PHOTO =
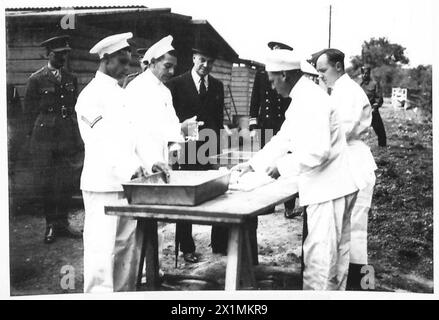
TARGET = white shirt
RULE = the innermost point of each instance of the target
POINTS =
(355, 114)
(154, 119)
(312, 133)
(110, 157)
(197, 80)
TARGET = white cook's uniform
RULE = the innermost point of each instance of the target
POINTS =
(311, 131)
(354, 111)
(154, 121)
(111, 244)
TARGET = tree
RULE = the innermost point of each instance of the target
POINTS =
(380, 52)
(385, 59)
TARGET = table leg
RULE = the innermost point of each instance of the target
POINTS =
(141, 230)
(150, 253)
(233, 258)
(247, 274)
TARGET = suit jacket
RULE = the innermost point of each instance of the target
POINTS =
(187, 103)
(49, 105)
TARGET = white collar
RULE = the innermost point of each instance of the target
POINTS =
(341, 80)
(105, 78)
(197, 79)
(149, 75)
(297, 86)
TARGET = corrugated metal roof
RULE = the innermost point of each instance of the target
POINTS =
(208, 25)
(81, 10)
(53, 12)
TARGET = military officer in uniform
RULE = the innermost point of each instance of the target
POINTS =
(54, 140)
(373, 92)
(267, 112)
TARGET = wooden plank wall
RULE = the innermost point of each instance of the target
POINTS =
(242, 85)
(222, 70)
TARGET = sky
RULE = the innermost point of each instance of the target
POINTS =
(248, 25)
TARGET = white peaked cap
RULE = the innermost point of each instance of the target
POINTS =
(283, 60)
(159, 48)
(111, 44)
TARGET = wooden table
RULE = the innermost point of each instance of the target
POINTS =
(233, 209)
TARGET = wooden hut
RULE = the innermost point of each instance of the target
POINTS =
(27, 28)
(243, 76)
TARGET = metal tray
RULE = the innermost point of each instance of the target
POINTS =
(230, 158)
(185, 188)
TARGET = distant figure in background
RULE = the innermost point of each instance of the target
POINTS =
(373, 92)
(267, 112)
(54, 136)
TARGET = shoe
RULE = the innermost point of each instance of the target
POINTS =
(291, 213)
(190, 257)
(68, 232)
(49, 236)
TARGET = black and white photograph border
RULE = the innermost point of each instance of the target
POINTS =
(395, 38)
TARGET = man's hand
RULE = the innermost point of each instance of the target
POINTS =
(162, 167)
(189, 125)
(242, 168)
(140, 172)
(273, 172)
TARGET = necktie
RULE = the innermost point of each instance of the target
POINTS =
(202, 87)
(57, 74)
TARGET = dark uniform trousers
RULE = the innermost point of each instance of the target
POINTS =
(373, 92)
(55, 144)
(208, 108)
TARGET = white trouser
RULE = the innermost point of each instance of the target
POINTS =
(326, 248)
(111, 245)
(358, 252)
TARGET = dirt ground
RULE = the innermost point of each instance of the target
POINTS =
(400, 231)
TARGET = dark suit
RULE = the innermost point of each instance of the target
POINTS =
(209, 109)
(55, 143)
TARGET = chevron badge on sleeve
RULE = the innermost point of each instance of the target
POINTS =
(91, 123)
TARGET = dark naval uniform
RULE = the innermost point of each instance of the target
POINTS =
(373, 92)
(55, 143)
(267, 107)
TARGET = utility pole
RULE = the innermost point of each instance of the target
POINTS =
(330, 18)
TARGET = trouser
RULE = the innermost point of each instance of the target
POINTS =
(378, 127)
(54, 173)
(358, 249)
(326, 247)
(290, 204)
(219, 234)
(112, 245)
(218, 239)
